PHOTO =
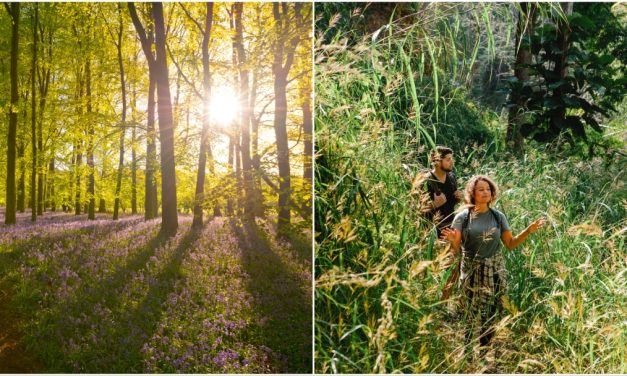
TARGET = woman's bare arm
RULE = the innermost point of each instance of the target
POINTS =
(512, 242)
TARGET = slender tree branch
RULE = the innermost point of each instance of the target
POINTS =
(200, 28)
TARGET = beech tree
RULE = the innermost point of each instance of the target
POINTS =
(10, 217)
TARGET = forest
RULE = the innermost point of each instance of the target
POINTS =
(156, 187)
(529, 94)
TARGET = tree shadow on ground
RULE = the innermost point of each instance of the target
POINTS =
(19, 354)
(113, 344)
(280, 297)
(300, 245)
(136, 324)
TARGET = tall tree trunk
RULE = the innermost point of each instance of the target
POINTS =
(21, 185)
(284, 48)
(133, 170)
(133, 149)
(33, 178)
(245, 107)
(524, 31)
(202, 158)
(10, 215)
(102, 204)
(561, 65)
(118, 183)
(52, 203)
(146, 40)
(169, 215)
(152, 202)
(78, 156)
(308, 131)
(91, 194)
(235, 131)
(21, 157)
(44, 84)
(78, 161)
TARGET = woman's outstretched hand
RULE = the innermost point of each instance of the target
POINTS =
(537, 224)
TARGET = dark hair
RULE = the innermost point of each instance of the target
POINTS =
(470, 188)
(439, 153)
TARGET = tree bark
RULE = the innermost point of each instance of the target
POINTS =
(146, 40)
(561, 65)
(118, 184)
(78, 161)
(308, 131)
(284, 48)
(33, 178)
(245, 109)
(21, 185)
(91, 194)
(50, 198)
(10, 215)
(202, 158)
(169, 215)
(44, 83)
(133, 170)
(524, 31)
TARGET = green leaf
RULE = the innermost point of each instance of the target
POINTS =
(582, 21)
(571, 102)
(605, 59)
(551, 103)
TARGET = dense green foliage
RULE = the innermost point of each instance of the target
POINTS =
(594, 80)
(382, 102)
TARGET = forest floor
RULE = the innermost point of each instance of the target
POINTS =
(113, 296)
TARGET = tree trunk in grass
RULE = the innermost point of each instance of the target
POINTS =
(284, 48)
(202, 158)
(91, 194)
(169, 215)
(118, 183)
(52, 203)
(11, 204)
(133, 153)
(245, 110)
(146, 39)
(133, 171)
(43, 75)
(308, 133)
(21, 185)
(33, 178)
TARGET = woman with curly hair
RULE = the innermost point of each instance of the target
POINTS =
(479, 231)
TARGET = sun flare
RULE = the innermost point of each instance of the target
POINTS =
(224, 105)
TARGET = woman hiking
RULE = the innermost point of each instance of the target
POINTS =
(478, 230)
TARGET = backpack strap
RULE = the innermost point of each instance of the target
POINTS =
(497, 218)
(465, 226)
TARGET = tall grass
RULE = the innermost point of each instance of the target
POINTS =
(379, 269)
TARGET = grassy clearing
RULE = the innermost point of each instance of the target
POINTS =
(103, 296)
(379, 270)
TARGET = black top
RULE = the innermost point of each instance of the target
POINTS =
(448, 188)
